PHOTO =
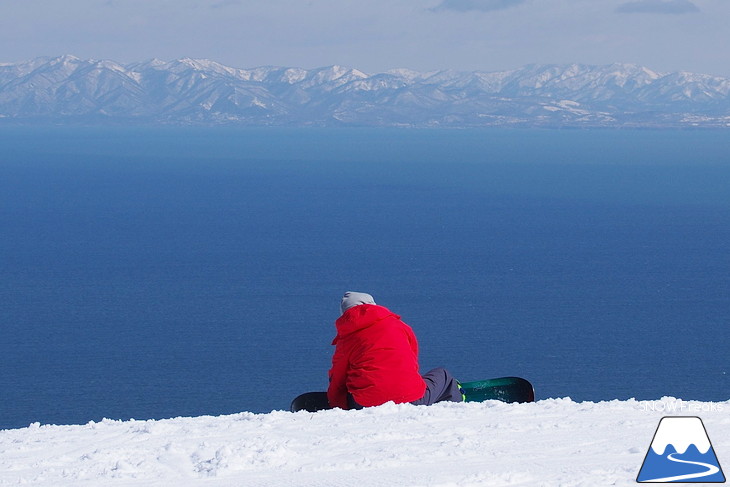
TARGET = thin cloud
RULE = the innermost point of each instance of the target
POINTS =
(658, 7)
(478, 5)
(225, 3)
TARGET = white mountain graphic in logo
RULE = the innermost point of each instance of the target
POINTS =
(681, 452)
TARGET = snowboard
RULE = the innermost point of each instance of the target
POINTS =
(506, 389)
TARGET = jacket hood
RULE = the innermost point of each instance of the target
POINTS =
(360, 317)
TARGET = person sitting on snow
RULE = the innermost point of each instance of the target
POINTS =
(376, 360)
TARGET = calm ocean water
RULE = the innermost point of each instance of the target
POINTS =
(159, 272)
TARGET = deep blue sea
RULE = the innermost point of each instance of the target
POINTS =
(161, 272)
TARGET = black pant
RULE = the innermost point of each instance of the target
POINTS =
(440, 386)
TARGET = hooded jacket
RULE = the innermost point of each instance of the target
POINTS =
(375, 359)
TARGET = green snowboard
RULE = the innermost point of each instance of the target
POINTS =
(506, 389)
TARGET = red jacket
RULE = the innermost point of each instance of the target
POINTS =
(375, 359)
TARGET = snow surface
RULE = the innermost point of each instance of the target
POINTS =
(554, 442)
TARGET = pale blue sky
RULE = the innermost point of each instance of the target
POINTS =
(376, 35)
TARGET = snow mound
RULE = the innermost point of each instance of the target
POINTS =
(551, 442)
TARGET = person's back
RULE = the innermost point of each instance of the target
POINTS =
(376, 359)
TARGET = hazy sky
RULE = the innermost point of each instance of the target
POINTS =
(376, 35)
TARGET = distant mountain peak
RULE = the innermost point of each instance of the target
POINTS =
(65, 58)
(189, 90)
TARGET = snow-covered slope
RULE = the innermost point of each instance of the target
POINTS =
(554, 442)
(186, 90)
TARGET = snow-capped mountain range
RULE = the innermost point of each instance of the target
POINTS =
(67, 89)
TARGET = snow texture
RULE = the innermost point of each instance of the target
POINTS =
(554, 442)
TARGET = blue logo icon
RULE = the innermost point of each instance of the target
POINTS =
(681, 452)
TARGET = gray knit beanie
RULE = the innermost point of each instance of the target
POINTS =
(352, 298)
